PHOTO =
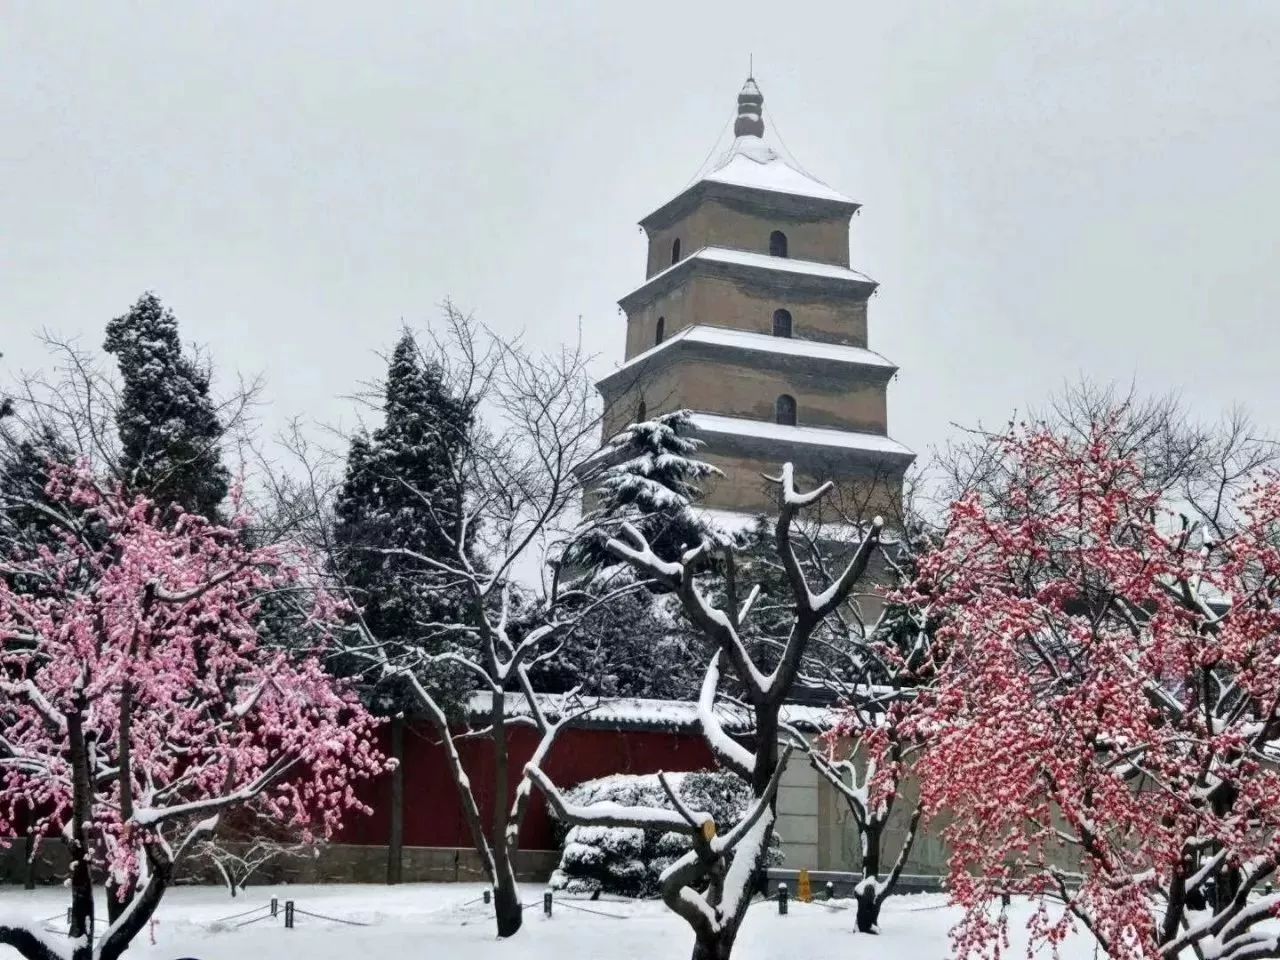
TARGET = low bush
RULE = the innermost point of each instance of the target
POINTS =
(629, 862)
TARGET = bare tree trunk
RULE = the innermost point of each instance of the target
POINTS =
(29, 946)
(507, 909)
(142, 906)
(717, 947)
(81, 818)
(118, 897)
(766, 748)
(868, 891)
(506, 893)
(395, 841)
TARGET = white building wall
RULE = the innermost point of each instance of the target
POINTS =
(797, 823)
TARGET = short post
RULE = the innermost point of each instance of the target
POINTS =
(831, 890)
(288, 914)
(29, 862)
(782, 899)
(275, 906)
(488, 894)
(546, 903)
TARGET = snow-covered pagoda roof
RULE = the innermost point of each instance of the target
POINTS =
(779, 436)
(638, 713)
(727, 340)
(753, 163)
(752, 168)
(744, 263)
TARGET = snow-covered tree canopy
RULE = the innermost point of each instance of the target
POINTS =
(170, 433)
(402, 490)
(647, 475)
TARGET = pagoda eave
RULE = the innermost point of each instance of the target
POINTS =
(776, 201)
(778, 274)
(847, 451)
(722, 345)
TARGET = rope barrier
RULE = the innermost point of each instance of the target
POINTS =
(321, 916)
(237, 916)
(93, 924)
(598, 913)
(265, 916)
(829, 906)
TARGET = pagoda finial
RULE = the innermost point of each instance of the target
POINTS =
(750, 102)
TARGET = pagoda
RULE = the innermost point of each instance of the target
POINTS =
(751, 318)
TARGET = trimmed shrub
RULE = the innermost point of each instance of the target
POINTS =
(628, 862)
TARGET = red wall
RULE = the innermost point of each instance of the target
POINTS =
(433, 816)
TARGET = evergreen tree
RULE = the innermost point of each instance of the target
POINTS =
(169, 430)
(635, 646)
(31, 520)
(401, 491)
(650, 480)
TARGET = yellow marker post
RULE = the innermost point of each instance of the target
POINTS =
(804, 892)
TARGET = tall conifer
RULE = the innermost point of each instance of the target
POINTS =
(169, 430)
(401, 491)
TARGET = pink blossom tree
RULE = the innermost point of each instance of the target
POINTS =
(1103, 729)
(137, 705)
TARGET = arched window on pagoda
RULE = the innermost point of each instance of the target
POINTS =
(784, 410)
(782, 323)
(660, 331)
(777, 244)
(675, 250)
(642, 413)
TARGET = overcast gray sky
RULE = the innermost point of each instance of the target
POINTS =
(1048, 191)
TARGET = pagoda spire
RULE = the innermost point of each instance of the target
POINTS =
(750, 123)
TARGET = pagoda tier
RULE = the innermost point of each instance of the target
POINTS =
(739, 374)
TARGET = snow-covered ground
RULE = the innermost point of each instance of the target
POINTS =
(447, 920)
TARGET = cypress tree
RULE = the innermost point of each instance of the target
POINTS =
(401, 491)
(29, 518)
(169, 430)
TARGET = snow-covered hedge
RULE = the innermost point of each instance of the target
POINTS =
(626, 861)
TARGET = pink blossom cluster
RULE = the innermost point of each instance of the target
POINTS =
(145, 634)
(1103, 727)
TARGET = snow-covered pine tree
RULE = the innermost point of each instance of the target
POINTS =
(652, 481)
(400, 493)
(636, 646)
(170, 434)
(31, 520)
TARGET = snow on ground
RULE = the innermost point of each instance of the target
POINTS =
(448, 920)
